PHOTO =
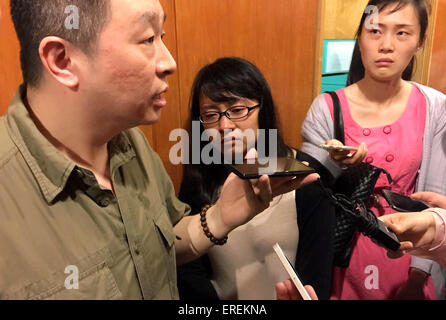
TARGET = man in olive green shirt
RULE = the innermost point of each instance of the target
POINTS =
(87, 210)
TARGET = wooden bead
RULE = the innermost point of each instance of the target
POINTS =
(206, 230)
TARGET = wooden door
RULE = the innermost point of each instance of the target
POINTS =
(437, 75)
(278, 36)
(10, 74)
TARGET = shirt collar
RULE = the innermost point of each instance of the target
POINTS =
(49, 166)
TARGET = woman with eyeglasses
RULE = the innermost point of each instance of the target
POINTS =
(397, 125)
(232, 97)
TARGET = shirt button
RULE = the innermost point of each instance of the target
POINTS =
(105, 202)
(135, 246)
(387, 130)
(369, 159)
(366, 132)
(390, 158)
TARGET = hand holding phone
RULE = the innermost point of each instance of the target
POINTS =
(337, 148)
(291, 272)
(273, 167)
(345, 156)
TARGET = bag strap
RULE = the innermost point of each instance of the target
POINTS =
(389, 177)
(338, 121)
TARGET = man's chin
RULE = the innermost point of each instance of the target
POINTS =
(149, 123)
(151, 119)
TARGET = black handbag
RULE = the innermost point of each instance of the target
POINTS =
(352, 193)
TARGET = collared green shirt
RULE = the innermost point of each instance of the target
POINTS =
(63, 237)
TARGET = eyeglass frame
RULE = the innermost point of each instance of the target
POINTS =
(220, 114)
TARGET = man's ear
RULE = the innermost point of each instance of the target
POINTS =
(56, 55)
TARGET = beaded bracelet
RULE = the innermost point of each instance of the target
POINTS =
(205, 227)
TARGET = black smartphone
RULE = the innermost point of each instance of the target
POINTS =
(402, 203)
(273, 167)
(386, 237)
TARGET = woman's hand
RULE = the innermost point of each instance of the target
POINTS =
(346, 158)
(241, 200)
(286, 290)
(433, 199)
(414, 230)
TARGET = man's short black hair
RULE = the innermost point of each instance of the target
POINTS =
(36, 19)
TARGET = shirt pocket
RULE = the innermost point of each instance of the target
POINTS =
(87, 279)
(157, 215)
(165, 228)
(159, 252)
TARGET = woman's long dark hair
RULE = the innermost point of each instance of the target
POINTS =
(422, 8)
(222, 81)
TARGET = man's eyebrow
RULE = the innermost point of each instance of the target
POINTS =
(150, 17)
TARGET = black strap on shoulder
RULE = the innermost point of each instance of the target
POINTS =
(337, 117)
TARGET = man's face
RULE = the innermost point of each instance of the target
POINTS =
(125, 78)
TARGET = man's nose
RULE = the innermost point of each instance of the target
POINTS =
(166, 63)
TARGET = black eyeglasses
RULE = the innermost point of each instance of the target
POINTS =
(236, 113)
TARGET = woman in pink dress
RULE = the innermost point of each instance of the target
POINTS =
(393, 122)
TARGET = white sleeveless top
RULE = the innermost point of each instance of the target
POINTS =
(246, 267)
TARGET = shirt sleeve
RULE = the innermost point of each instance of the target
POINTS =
(317, 129)
(434, 151)
(422, 264)
(437, 250)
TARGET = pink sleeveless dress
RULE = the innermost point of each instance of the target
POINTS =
(398, 148)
